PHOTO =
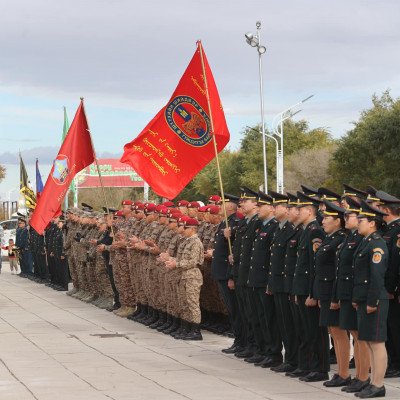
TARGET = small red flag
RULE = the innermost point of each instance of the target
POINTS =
(75, 153)
(177, 143)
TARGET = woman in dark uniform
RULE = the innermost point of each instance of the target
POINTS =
(341, 300)
(325, 272)
(370, 297)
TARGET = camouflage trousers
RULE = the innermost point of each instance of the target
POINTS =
(123, 280)
(81, 274)
(137, 271)
(72, 264)
(189, 295)
(172, 280)
(210, 296)
(103, 285)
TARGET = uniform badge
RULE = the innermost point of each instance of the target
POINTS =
(376, 258)
(316, 243)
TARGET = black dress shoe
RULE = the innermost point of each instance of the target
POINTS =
(372, 391)
(233, 349)
(297, 373)
(284, 367)
(244, 354)
(255, 359)
(272, 362)
(356, 386)
(315, 377)
(337, 381)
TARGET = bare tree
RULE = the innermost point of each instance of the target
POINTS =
(308, 167)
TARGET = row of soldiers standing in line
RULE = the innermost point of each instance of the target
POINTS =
(293, 281)
(258, 283)
(158, 259)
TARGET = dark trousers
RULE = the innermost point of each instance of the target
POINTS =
(286, 327)
(316, 336)
(393, 339)
(231, 304)
(245, 315)
(62, 272)
(303, 356)
(52, 268)
(111, 277)
(263, 318)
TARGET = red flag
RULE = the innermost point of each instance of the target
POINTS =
(75, 153)
(177, 143)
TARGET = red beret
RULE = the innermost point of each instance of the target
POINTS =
(215, 199)
(149, 208)
(213, 209)
(182, 219)
(119, 213)
(183, 203)
(175, 216)
(192, 222)
(203, 209)
(193, 204)
(127, 202)
(168, 204)
(138, 207)
(137, 202)
(162, 210)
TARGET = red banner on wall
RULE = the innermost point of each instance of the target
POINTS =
(113, 172)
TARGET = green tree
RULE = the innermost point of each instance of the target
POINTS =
(369, 154)
(298, 137)
(206, 181)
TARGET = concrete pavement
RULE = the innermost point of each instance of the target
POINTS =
(56, 347)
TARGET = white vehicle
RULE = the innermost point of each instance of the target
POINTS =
(9, 227)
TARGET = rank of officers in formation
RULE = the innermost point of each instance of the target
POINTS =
(307, 272)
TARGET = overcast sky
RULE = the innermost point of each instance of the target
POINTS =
(126, 57)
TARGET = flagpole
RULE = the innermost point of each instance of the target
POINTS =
(221, 187)
(97, 165)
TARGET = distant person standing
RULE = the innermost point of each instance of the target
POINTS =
(22, 242)
(12, 256)
(1, 244)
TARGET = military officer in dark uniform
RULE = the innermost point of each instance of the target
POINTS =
(341, 301)
(242, 246)
(220, 271)
(263, 315)
(290, 266)
(61, 264)
(325, 272)
(329, 195)
(311, 239)
(391, 234)
(352, 193)
(22, 242)
(313, 192)
(276, 282)
(370, 297)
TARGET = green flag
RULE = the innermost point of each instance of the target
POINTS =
(64, 134)
(26, 191)
(66, 125)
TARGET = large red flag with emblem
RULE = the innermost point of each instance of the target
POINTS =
(75, 153)
(178, 142)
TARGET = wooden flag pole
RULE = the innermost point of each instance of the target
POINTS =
(97, 165)
(221, 187)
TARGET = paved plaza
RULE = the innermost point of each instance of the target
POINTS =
(53, 347)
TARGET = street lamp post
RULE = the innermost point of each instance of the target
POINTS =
(255, 41)
(278, 132)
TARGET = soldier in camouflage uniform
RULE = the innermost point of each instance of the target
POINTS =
(188, 262)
